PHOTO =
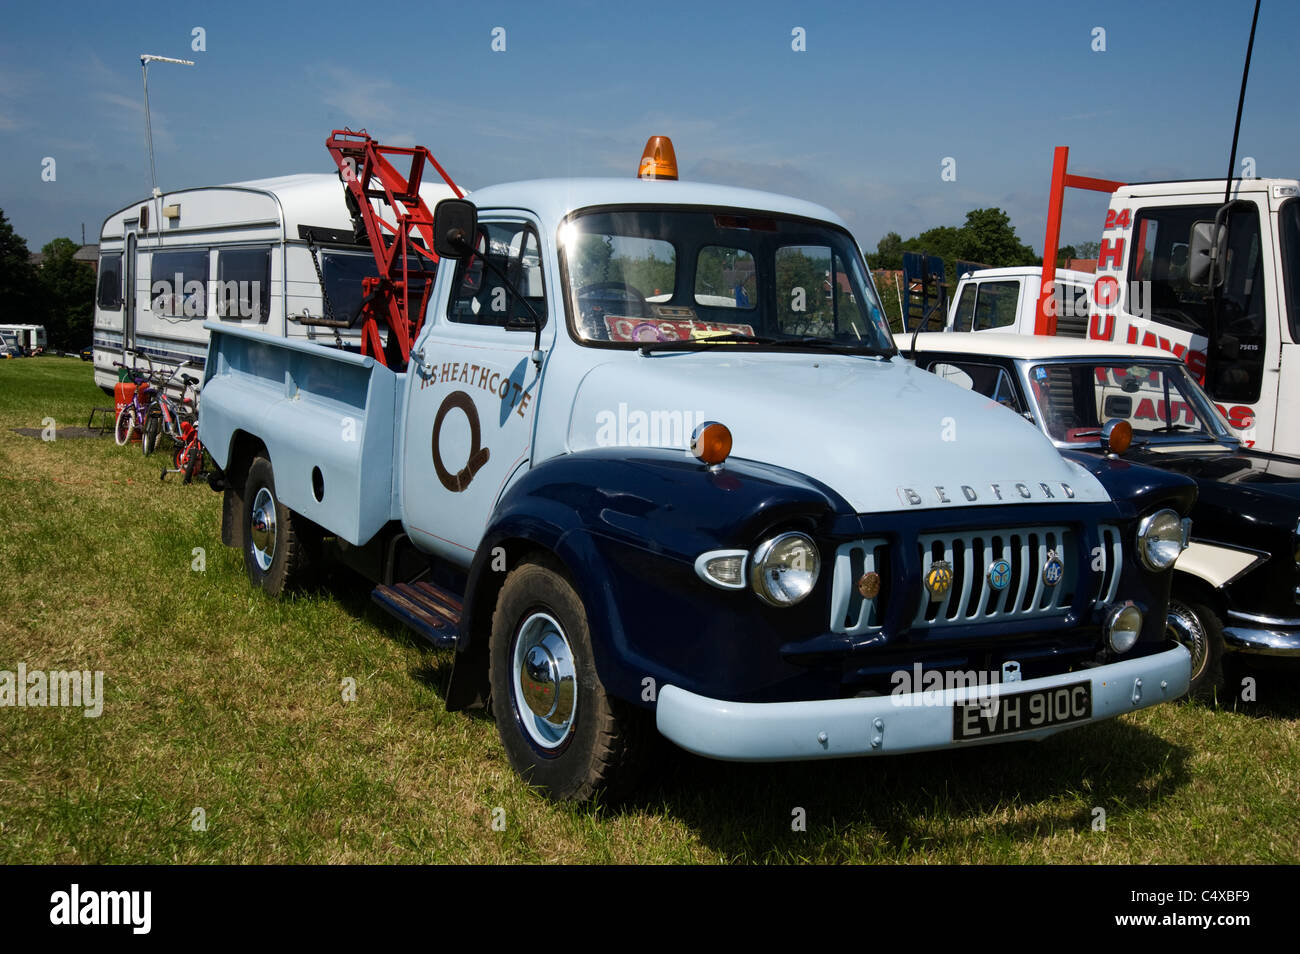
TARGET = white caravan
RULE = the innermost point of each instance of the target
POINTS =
(31, 337)
(239, 253)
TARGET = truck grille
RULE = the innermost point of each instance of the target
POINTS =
(972, 598)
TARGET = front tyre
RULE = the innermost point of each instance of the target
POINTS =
(561, 731)
(124, 426)
(275, 547)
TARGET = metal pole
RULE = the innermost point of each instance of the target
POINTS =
(145, 60)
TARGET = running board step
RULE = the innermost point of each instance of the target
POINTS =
(429, 610)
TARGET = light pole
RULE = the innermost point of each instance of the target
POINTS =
(145, 60)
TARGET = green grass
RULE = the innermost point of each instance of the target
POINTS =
(221, 699)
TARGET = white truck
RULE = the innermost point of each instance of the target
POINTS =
(654, 463)
(1006, 300)
(1238, 329)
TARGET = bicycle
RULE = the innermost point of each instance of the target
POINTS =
(187, 459)
(133, 414)
(177, 420)
(166, 414)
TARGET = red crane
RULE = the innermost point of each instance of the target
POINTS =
(400, 233)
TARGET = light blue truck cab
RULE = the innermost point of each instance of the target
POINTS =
(656, 464)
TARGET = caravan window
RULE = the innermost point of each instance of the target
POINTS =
(343, 273)
(244, 283)
(109, 295)
(179, 284)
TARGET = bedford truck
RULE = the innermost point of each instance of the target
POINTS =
(655, 465)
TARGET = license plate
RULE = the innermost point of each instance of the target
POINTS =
(1022, 712)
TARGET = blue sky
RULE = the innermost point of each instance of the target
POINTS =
(861, 121)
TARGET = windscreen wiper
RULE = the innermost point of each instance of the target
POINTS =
(807, 341)
(684, 344)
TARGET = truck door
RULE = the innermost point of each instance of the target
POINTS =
(1286, 435)
(1223, 336)
(474, 390)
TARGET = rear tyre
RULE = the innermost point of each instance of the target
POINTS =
(562, 732)
(275, 551)
(1197, 627)
(124, 426)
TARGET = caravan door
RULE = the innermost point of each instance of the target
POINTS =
(128, 288)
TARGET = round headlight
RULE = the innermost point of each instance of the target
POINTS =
(1123, 626)
(1160, 540)
(784, 569)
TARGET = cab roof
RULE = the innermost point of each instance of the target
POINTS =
(1032, 347)
(553, 199)
(1198, 186)
(1028, 271)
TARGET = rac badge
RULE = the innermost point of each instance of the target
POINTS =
(999, 575)
(938, 579)
(1053, 569)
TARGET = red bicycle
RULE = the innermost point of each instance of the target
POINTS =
(176, 419)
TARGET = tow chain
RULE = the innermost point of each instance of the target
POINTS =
(330, 320)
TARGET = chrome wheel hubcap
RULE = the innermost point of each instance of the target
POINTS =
(1187, 630)
(263, 529)
(545, 681)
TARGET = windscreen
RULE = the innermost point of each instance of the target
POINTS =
(1159, 400)
(674, 275)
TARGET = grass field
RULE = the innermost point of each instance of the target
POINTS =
(217, 698)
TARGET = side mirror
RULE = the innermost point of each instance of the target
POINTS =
(1198, 256)
(455, 223)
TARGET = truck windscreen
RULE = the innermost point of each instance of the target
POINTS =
(675, 275)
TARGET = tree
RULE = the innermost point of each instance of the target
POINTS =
(989, 237)
(888, 254)
(68, 292)
(1088, 250)
(19, 291)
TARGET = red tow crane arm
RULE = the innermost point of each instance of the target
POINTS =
(402, 242)
(1062, 178)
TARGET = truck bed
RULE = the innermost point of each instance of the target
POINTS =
(327, 417)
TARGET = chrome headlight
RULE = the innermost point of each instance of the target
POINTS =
(1160, 539)
(784, 569)
(1123, 626)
